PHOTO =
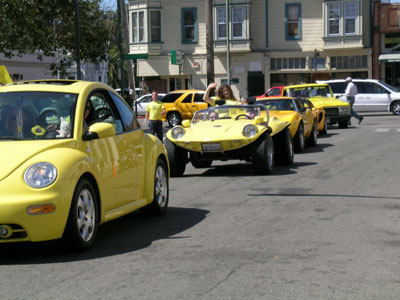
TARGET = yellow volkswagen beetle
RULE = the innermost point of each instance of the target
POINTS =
(73, 157)
(230, 132)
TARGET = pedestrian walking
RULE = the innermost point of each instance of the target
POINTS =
(153, 116)
(350, 93)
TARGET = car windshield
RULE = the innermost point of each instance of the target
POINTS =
(227, 112)
(392, 88)
(278, 104)
(36, 115)
(310, 92)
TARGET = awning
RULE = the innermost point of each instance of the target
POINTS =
(393, 57)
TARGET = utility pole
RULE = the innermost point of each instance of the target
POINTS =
(209, 42)
(228, 48)
(125, 32)
(120, 48)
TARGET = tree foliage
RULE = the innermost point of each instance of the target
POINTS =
(47, 27)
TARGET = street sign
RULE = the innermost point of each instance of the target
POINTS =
(176, 57)
(135, 56)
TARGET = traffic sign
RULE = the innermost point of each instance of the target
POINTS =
(135, 56)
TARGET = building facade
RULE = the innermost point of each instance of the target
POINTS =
(271, 42)
(386, 43)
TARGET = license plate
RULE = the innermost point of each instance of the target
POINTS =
(216, 147)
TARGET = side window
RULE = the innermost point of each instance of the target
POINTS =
(198, 97)
(146, 99)
(361, 88)
(188, 99)
(128, 119)
(101, 110)
(373, 88)
(170, 98)
(338, 87)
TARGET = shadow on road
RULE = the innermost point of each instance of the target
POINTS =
(129, 233)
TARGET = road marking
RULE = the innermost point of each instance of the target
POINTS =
(381, 129)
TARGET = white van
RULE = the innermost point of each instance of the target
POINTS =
(373, 95)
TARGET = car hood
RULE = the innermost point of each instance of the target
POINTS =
(16, 153)
(327, 102)
(216, 130)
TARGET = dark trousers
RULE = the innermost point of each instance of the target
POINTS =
(156, 128)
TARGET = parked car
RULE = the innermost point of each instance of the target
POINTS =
(63, 173)
(275, 91)
(140, 105)
(181, 105)
(230, 133)
(321, 96)
(373, 95)
(303, 122)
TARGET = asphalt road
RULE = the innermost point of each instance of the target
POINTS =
(326, 227)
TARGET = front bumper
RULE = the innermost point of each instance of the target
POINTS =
(14, 202)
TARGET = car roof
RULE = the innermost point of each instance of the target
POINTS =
(344, 80)
(306, 85)
(53, 85)
(275, 98)
(186, 91)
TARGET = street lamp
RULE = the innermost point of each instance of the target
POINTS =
(77, 42)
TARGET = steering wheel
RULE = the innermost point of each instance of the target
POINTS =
(49, 125)
(242, 115)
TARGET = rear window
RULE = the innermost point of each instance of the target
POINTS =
(170, 98)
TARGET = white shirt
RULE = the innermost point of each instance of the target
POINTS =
(351, 90)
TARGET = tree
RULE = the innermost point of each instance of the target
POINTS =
(46, 27)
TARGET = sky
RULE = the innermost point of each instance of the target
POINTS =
(109, 4)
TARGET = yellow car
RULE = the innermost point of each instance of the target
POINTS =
(73, 157)
(321, 96)
(181, 105)
(303, 122)
(230, 132)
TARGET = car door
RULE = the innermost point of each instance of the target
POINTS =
(306, 115)
(377, 97)
(110, 155)
(359, 99)
(134, 142)
(198, 102)
(185, 106)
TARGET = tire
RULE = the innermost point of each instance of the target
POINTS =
(177, 158)
(343, 124)
(174, 119)
(283, 147)
(324, 131)
(263, 156)
(83, 218)
(313, 138)
(161, 191)
(298, 140)
(199, 164)
(395, 108)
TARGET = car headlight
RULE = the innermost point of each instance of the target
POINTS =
(178, 132)
(40, 175)
(249, 130)
(343, 110)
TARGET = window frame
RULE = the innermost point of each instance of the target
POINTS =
(345, 18)
(136, 30)
(151, 26)
(244, 22)
(184, 26)
(288, 36)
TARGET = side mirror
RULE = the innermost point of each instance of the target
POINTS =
(99, 130)
(185, 123)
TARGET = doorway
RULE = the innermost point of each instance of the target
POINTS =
(255, 84)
